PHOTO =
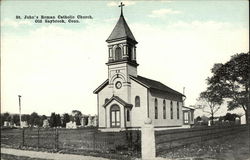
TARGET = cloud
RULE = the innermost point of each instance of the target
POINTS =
(117, 3)
(166, 1)
(110, 20)
(15, 23)
(163, 12)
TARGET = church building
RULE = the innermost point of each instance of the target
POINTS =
(125, 100)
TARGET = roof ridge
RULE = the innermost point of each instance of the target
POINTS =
(154, 84)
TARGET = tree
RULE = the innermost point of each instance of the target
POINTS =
(26, 117)
(16, 119)
(77, 116)
(66, 119)
(42, 118)
(52, 120)
(6, 117)
(35, 119)
(230, 117)
(232, 81)
(58, 120)
(1, 120)
(198, 119)
(210, 101)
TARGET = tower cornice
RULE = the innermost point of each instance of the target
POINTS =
(121, 62)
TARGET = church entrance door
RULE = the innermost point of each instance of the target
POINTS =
(115, 116)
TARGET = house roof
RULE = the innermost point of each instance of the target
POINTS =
(190, 108)
(122, 102)
(121, 31)
(153, 84)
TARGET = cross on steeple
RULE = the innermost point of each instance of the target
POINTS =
(121, 5)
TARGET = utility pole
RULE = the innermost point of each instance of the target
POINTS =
(184, 97)
(20, 117)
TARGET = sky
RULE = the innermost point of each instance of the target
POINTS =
(56, 67)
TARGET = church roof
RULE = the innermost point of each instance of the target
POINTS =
(101, 86)
(153, 84)
(122, 102)
(146, 82)
(121, 31)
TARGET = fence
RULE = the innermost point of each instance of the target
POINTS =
(81, 140)
(169, 139)
(113, 142)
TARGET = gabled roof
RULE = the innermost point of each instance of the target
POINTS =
(121, 31)
(122, 102)
(101, 86)
(153, 84)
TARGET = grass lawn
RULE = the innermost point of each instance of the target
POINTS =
(234, 147)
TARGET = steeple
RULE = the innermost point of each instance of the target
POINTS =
(121, 30)
(122, 50)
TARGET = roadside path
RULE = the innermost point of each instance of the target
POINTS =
(46, 155)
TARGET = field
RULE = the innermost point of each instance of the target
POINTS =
(233, 147)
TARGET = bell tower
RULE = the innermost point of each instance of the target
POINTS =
(122, 52)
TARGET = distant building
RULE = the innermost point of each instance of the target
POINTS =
(6, 124)
(24, 124)
(71, 125)
(45, 123)
(243, 119)
(188, 116)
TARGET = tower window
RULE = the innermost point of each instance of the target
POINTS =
(178, 110)
(110, 52)
(118, 53)
(171, 110)
(130, 53)
(137, 101)
(128, 115)
(164, 109)
(134, 53)
(156, 109)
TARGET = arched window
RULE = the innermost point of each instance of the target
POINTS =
(156, 109)
(164, 109)
(118, 53)
(171, 110)
(128, 115)
(178, 111)
(137, 101)
(115, 116)
(106, 100)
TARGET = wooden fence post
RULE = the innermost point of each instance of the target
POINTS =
(38, 137)
(56, 139)
(94, 141)
(23, 137)
(148, 140)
